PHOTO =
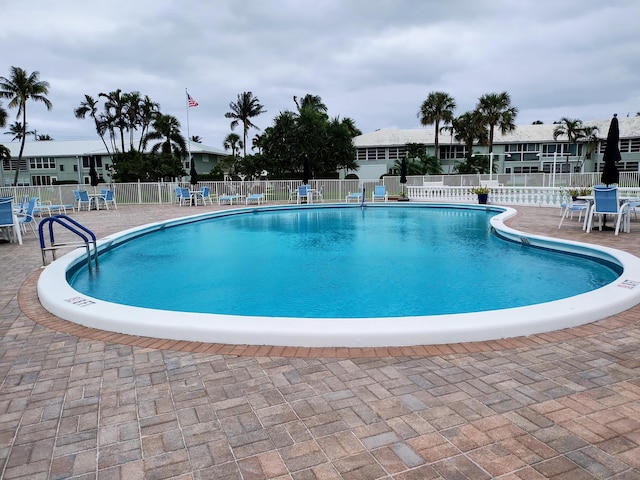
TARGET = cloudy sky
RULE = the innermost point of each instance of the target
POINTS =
(372, 60)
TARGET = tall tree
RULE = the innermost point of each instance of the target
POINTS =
(497, 111)
(18, 131)
(166, 134)
(89, 106)
(242, 111)
(115, 120)
(19, 88)
(3, 116)
(469, 128)
(436, 109)
(572, 128)
(313, 102)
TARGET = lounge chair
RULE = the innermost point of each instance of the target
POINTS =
(229, 198)
(606, 202)
(356, 196)
(380, 193)
(7, 219)
(255, 198)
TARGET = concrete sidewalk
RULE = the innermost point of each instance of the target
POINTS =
(78, 403)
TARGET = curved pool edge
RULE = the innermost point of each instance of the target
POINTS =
(57, 296)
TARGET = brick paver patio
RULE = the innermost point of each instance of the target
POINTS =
(84, 404)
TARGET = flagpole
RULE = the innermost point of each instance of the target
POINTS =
(186, 99)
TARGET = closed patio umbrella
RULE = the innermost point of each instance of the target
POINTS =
(93, 174)
(403, 173)
(306, 169)
(193, 173)
(611, 157)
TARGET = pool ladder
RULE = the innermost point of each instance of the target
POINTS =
(87, 236)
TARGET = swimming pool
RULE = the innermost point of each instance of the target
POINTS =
(356, 318)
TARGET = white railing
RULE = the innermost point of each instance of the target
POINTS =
(441, 188)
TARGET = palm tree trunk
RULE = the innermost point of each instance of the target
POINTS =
(22, 142)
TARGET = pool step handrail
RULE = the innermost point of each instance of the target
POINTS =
(90, 244)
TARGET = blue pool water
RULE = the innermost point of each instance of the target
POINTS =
(337, 262)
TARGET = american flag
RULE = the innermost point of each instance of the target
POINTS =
(192, 102)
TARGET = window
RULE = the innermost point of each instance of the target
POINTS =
(42, 163)
(452, 151)
(41, 179)
(61, 167)
(86, 161)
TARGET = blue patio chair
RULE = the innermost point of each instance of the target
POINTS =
(7, 222)
(26, 218)
(82, 198)
(569, 207)
(379, 193)
(184, 197)
(303, 193)
(606, 202)
(205, 194)
(107, 198)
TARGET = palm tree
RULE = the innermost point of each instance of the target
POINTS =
(114, 119)
(469, 128)
(310, 101)
(196, 138)
(18, 131)
(234, 143)
(19, 88)
(572, 128)
(3, 116)
(497, 111)
(166, 131)
(148, 110)
(43, 137)
(90, 106)
(437, 108)
(243, 111)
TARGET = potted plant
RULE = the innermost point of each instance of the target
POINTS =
(482, 192)
(575, 192)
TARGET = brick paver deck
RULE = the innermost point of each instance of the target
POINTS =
(84, 404)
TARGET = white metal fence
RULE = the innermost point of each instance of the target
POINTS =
(526, 189)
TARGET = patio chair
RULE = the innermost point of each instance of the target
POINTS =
(292, 194)
(303, 193)
(107, 198)
(356, 196)
(82, 198)
(318, 194)
(205, 194)
(606, 202)
(569, 207)
(257, 198)
(26, 218)
(380, 193)
(185, 196)
(7, 221)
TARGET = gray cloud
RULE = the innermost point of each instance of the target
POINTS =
(373, 61)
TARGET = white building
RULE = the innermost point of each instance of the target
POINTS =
(528, 149)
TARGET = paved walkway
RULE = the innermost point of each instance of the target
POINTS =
(88, 405)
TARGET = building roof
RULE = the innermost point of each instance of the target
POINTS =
(79, 148)
(629, 128)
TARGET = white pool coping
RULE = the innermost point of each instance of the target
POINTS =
(59, 298)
